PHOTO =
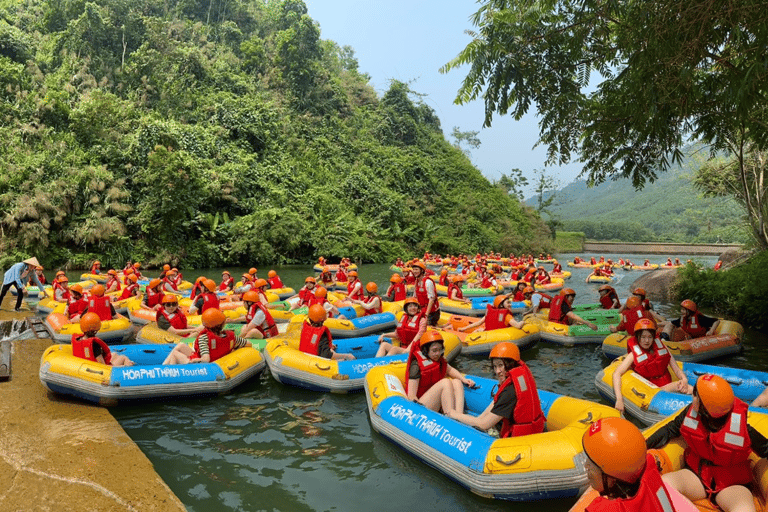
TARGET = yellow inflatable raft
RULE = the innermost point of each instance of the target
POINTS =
(112, 331)
(481, 342)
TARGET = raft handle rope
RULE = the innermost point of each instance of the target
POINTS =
(230, 368)
(323, 368)
(357, 348)
(641, 395)
(588, 419)
(94, 371)
(510, 463)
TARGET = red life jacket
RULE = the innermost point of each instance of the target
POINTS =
(423, 298)
(444, 280)
(543, 279)
(400, 291)
(556, 310)
(76, 307)
(65, 295)
(651, 496)
(275, 282)
(341, 275)
(607, 300)
(113, 280)
(128, 291)
(227, 284)
(372, 311)
(651, 365)
(528, 277)
(721, 458)
(431, 371)
(326, 277)
(558, 269)
(355, 290)
(692, 325)
(267, 327)
(177, 320)
(83, 347)
(153, 298)
(486, 282)
(527, 418)
(210, 300)
(218, 346)
(408, 328)
(519, 296)
(305, 295)
(546, 300)
(593, 261)
(630, 317)
(495, 318)
(454, 291)
(101, 306)
(95, 269)
(197, 289)
(169, 285)
(310, 338)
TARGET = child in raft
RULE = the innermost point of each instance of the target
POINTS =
(304, 294)
(396, 290)
(454, 290)
(411, 326)
(88, 346)
(372, 303)
(321, 297)
(691, 324)
(259, 323)
(211, 344)
(227, 282)
(561, 310)
(516, 404)
(170, 318)
(609, 299)
(650, 358)
(427, 380)
(498, 316)
(316, 339)
(519, 294)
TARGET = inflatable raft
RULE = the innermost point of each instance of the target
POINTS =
(564, 275)
(649, 404)
(725, 341)
(442, 291)
(153, 335)
(527, 468)
(352, 328)
(653, 266)
(290, 366)
(65, 374)
(112, 331)
(481, 342)
(477, 306)
(600, 279)
(570, 335)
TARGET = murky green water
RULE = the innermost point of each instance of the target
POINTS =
(270, 447)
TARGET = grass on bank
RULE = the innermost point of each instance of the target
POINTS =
(569, 241)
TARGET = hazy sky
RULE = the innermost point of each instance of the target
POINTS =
(409, 41)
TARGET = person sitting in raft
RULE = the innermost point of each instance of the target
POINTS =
(113, 283)
(61, 292)
(761, 400)
(372, 303)
(650, 358)
(211, 344)
(561, 311)
(677, 261)
(719, 442)
(131, 289)
(558, 268)
(411, 326)
(100, 304)
(227, 282)
(691, 324)
(170, 318)
(516, 403)
(498, 316)
(128, 265)
(258, 320)
(633, 311)
(40, 277)
(253, 271)
(543, 277)
(206, 300)
(596, 272)
(274, 280)
(152, 295)
(669, 262)
(354, 287)
(410, 278)
(443, 281)
(622, 471)
(305, 293)
(96, 267)
(260, 286)
(246, 283)
(316, 339)
(427, 381)
(425, 292)
(77, 303)
(454, 290)
(197, 288)
(609, 299)
(519, 294)
(396, 290)
(341, 275)
(576, 260)
(321, 297)
(169, 282)
(136, 267)
(164, 271)
(88, 346)
(592, 261)
(326, 277)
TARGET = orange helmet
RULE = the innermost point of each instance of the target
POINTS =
(444, 272)
(396, 279)
(98, 290)
(645, 323)
(499, 300)
(371, 287)
(132, 278)
(60, 273)
(421, 265)
(247, 276)
(528, 289)
(272, 273)
(317, 313)
(154, 283)
(96, 262)
(200, 279)
(76, 288)
(506, 350)
(410, 300)
(213, 317)
(90, 322)
(137, 265)
(251, 296)
(715, 394)
(639, 291)
(689, 305)
(111, 272)
(260, 283)
(567, 291)
(608, 436)
(429, 337)
(128, 271)
(169, 298)
(173, 271)
(633, 301)
(227, 273)
(210, 285)
(310, 280)
(63, 279)
(352, 273)
(252, 270)
(166, 267)
(321, 292)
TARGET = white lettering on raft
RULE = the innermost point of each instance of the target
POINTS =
(164, 372)
(428, 426)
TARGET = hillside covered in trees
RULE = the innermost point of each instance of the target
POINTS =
(222, 132)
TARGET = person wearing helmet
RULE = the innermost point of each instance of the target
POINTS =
(316, 339)
(170, 318)
(206, 300)
(719, 442)
(197, 288)
(152, 295)
(354, 286)
(497, 316)
(633, 311)
(164, 271)
(227, 282)
(131, 288)
(96, 267)
(622, 471)
(169, 282)
(326, 276)
(128, 265)
(211, 344)
(650, 358)
(609, 299)
(136, 267)
(399, 262)
(372, 302)
(516, 404)
(454, 290)
(557, 268)
(321, 297)
(443, 281)
(77, 303)
(100, 304)
(274, 280)
(411, 326)
(61, 291)
(113, 283)
(543, 277)
(259, 323)
(430, 380)
(305, 293)
(691, 324)
(87, 345)
(246, 283)
(128, 272)
(341, 275)
(426, 293)
(596, 272)
(396, 290)
(518, 294)
(561, 311)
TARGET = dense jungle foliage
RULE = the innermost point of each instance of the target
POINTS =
(222, 132)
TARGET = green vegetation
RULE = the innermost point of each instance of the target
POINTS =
(569, 241)
(217, 133)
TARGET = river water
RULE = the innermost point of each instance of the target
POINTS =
(267, 446)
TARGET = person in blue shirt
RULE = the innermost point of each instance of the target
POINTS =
(17, 276)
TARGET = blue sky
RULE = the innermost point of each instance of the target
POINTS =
(409, 41)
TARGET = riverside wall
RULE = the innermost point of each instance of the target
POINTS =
(591, 246)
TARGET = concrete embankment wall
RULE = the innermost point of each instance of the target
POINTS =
(591, 246)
